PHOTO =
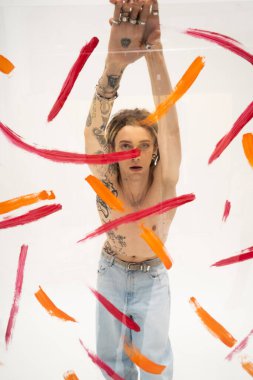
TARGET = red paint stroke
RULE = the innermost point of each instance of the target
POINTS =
(123, 318)
(221, 40)
(30, 216)
(245, 254)
(101, 364)
(50, 307)
(17, 294)
(159, 208)
(226, 212)
(72, 76)
(240, 346)
(242, 120)
(68, 157)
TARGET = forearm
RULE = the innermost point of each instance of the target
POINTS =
(101, 107)
(161, 85)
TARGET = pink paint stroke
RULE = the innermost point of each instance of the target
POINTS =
(240, 346)
(72, 76)
(68, 157)
(245, 254)
(101, 364)
(242, 120)
(30, 216)
(17, 294)
(123, 318)
(157, 209)
(221, 40)
(226, 212)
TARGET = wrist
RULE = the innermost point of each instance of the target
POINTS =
(109, 82)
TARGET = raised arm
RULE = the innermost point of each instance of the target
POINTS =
(125, 47)
(168, 128)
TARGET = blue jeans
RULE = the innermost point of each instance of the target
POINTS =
(145, 296)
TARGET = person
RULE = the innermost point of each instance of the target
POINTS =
(130, 275)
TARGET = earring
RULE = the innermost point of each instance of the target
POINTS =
(154, 159)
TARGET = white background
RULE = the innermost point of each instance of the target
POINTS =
(43, 39)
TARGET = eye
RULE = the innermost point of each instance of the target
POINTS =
(125, 146)
(144, 146)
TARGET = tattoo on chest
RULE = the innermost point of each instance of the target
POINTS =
(118, 240)
(102, 207)
(125, 42)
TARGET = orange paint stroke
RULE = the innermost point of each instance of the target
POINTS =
(247, 143)
(142, 361)
(70, 375)
(5, 65)
(182, 86)
(156, 245)
(213, 326)
(45, 301)
(25, 200)
(104, 193)
(248, 366)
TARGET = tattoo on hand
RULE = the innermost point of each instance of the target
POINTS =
(125, 42)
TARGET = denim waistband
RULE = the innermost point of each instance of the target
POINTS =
(143, 266)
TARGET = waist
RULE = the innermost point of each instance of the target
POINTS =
(130, 265)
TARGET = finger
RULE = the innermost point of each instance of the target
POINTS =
(145, 12)
(126, 6)
(136, 8)
(153, 38)
(155, 8)
(117, 10)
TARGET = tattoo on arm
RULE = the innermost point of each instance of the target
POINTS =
(89, 120)
(99, 133)
(105, 109)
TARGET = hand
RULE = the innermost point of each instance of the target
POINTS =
(152, 33)
(132, 26)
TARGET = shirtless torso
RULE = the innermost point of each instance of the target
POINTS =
(125, 242)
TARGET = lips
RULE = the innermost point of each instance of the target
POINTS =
(136, 167)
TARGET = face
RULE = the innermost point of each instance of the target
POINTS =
(130, 137)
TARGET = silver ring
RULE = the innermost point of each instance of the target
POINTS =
(124, 19)
(141, 22)
(116, 22)
(155, 13)
(133, 21)
(148, 46)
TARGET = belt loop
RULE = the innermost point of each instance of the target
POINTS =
(112, 258)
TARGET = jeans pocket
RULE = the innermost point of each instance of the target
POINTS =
(103, 266)
(157, 272)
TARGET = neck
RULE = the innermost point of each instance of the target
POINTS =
(135, 188)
